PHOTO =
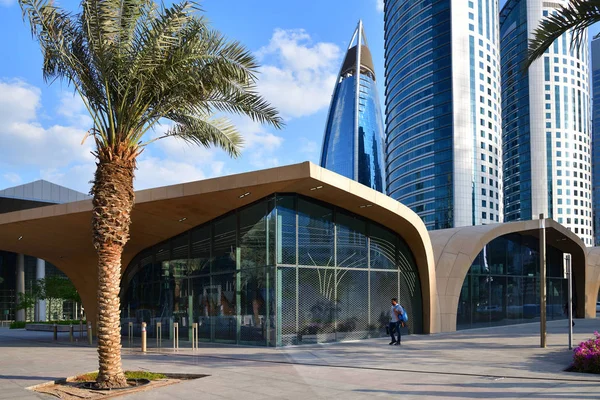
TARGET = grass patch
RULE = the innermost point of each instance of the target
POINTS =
(151, 376)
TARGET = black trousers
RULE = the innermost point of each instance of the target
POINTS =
(395, 326)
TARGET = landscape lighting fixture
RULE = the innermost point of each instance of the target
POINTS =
(317, 188)
(244, 195)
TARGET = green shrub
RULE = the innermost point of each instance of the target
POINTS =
(17, 324)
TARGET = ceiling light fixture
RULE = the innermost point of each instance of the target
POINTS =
(20, 237)
(317, 188)
(366, 205)
(244, 195)
(182, 219)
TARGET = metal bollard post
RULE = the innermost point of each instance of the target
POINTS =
(176, 335)
(159, 334)
(89, 333)
(55, 332)
(71, 332)
(195, 336)
(130, 333)
(143, 337)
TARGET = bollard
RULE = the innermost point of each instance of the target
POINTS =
(195, 336)
(143, 337)
(130, 332)
(70, 332)
(55, 332)
(159, 334)
(89, 333)
(175, 335)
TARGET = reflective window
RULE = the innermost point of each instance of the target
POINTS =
(239, 279)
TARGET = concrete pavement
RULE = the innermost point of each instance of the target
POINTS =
(502, 362)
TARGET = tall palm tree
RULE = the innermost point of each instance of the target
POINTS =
(576, 16)
(136, 64)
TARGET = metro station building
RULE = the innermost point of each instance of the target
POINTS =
(299, 254)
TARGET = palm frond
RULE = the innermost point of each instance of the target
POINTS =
(577, 16)
(136, 63)
(212, 131)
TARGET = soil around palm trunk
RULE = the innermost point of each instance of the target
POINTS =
(74, 389)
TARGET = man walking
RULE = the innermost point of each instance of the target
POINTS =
(396, 314)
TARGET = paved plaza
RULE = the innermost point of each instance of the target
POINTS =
(500, 363)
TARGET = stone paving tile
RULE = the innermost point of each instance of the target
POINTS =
(424, 367)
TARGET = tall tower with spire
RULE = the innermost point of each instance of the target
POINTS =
(353, 144)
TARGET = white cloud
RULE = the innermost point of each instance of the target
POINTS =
(12, 178)
(379, 5)
(25, 143)
(154, 172)
(298, 75)
(7, 3)
(18, 101)
(72, 108)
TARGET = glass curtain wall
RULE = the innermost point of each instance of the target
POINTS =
(502, 286)
(284, 270)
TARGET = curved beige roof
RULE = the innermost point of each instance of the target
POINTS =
(455, 249)
(61, 234)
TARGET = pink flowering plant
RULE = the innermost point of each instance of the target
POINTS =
(586, 356)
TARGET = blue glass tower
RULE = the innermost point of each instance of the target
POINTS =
(442, 99)
(354, 135)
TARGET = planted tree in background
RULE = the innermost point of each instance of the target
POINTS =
(136, 64)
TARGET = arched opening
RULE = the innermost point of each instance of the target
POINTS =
(502, 285)
(284, 270)
(49, 294)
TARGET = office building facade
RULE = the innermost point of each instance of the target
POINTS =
(546, 124)
(596, 138)
(443, 129)
(353, 143)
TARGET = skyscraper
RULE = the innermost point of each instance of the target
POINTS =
(546, 128)
(443, 150)
(596, 138)
(354, 136)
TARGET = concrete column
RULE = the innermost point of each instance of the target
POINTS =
(20, 315)
(40, 273)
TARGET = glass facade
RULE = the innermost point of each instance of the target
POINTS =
(284, 270)
(502, 286)
(547, 138)
(443, 147)
(55, 309)
(418, 64)
(354, 134)
(515, 112)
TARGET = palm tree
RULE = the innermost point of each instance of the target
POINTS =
(576, 17)
(136, 64)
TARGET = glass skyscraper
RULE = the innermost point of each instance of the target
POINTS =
(354, 135)
(443, 149)
(596, 137)
(546, 128)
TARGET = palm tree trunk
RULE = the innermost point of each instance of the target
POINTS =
(113, 202)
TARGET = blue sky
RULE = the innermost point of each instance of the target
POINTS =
(300, 45)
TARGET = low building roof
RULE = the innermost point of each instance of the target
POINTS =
(61, 234)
